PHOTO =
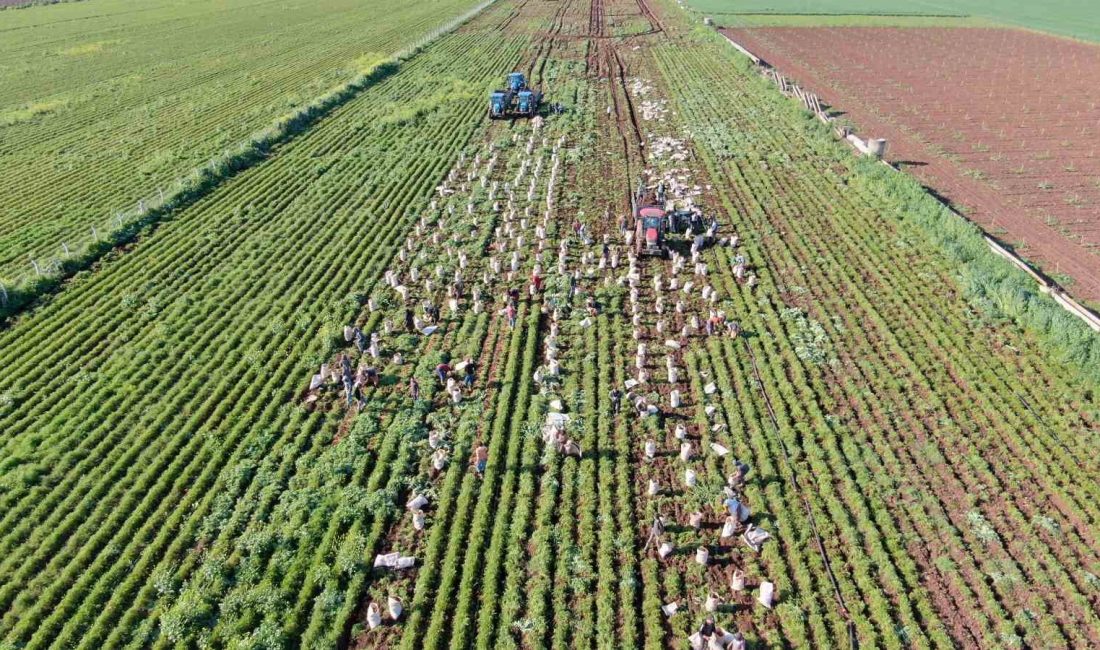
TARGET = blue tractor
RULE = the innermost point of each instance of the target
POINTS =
(517, 82)
(516, 100)
(527, 102)
(499, 103)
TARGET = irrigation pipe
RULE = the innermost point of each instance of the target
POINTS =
(853, 642)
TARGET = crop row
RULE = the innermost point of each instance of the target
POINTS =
(119, 495)
(865, 305)
(96, 164)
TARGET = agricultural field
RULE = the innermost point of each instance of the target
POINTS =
(259, 425)
(1000, 122)
(106, 113)
(1074, 18)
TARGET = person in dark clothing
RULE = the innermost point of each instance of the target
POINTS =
(410, 325)
(616, 400)
(708, 629)
(414, 388)
(441, 371)
(469, 373)
(360, 340)
(370, 376)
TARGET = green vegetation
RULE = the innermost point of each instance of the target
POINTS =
(170, 479)
(107, 113)
(191, 349)
(1076, 18)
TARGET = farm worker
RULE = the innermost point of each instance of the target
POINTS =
(571, 448)
(349, 389)
(738, 478)
(439, 461)
(410, 324)
(480, 460)
(441, 371)
(708, 628)
(510, 310)
(616, 400)
(536, 280)
(414, 388)
(370, 376)
(655, 531)
(734, 328)
(469, 373)
(360, 340)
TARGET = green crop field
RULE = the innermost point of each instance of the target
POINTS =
(105, 105)
(258, 424)
(1076, 18)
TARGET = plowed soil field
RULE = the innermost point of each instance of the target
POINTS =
(1003, 123)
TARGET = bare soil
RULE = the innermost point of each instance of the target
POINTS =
(1002, 123)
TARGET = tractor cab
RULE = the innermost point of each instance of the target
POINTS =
(499, 102)
(649, 231)
(527, 102)
(517, 82)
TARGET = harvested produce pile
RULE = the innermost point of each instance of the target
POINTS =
(1002, 122)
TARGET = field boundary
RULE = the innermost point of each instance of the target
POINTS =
(1046, 285)
(27, 4)
(838, 14)
(200, 182)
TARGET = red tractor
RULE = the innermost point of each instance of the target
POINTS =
(650, 223)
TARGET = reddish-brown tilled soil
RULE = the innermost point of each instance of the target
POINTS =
(1003, 123)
